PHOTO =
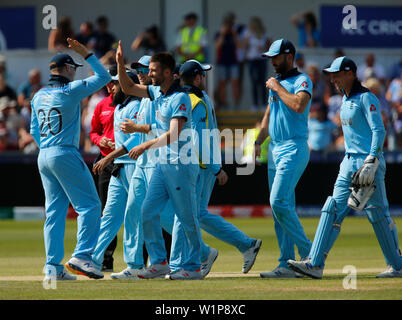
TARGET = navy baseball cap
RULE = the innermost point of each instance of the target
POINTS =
(278, 47)
(131, 74)
(143, 62)
(341, 64)
(177, 69)
(62, 59)
(193, 67)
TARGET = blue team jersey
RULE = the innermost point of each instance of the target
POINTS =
(56, 114)
(203, 122)
(146, 115)
(284, 123)
(175, 103)
(128, 109)
(362, 123)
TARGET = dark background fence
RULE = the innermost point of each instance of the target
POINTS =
(21, 184)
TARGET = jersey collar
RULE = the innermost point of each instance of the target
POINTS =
(127, 101)
(194, 89)
(56, 80)
(356, 89)
(175, 87)
(291, 73)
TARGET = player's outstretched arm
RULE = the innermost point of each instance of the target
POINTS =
(164, 139)
(101, 77)
(129, 126)
(127, 85)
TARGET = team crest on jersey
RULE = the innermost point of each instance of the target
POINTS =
(140, 116)
(159, 116)
(182, 107)
(305, 84)
(373, 108)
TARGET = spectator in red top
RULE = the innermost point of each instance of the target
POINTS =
(102, 135)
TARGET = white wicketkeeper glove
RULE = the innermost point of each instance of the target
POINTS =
(364, 177)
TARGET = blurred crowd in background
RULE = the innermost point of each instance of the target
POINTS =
(238, 50)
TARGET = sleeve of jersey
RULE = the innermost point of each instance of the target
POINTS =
(88, 86)
(34, 131)
(135, 137)
(303, 83)
(152, 91)
(181, 105)
(372, 112)
(132, 141)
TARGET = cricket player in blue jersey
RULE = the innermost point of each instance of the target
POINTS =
(115, 212)
(173, 178)
(55, 126)
(193, 75)
(360, 182)
(285, 120)
(133, 234)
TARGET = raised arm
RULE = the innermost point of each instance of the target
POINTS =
(88, 86)
(127, 85)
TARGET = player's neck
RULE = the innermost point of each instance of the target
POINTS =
(349, 87)
(166, 84)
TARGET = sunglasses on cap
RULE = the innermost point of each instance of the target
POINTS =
(142, 70)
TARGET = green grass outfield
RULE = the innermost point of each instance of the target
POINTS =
(22, 258)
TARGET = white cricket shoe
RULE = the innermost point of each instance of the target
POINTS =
(207, 264)
(84, 268)
(280, 273)
(250, 255)
(306, 268)
(62, 276)
(186, 275)
(126, 274)
(158, 270)
(390, 272)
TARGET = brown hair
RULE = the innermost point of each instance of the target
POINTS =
(165, 59)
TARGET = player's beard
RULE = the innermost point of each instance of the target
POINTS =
(118, 98)
(282, 68)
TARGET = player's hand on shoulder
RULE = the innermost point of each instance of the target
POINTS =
(78, 47)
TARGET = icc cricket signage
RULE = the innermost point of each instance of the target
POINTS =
(361, 26)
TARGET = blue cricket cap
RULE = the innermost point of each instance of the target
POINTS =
(131, 74)
(278, 47)
(143, 62)
(193, 67)
(177, 69)
(341, 64)
(62, 59)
